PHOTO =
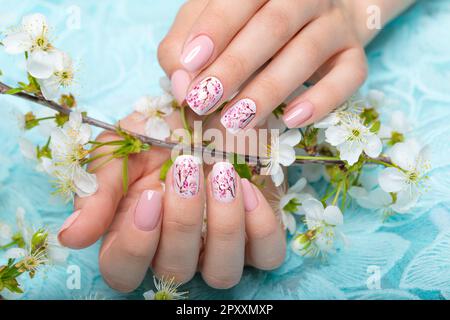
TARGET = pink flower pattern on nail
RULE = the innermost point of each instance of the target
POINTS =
(186, 176)
(205, 95)
(224, 182)
(239, 115)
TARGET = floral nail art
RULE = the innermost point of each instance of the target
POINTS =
(186, 176)
(239, 115)
(224, 182)
(205, 95)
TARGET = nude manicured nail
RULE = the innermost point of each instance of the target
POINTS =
(223, 180)
(197, 52)
(148, 210)
(298, 115)
(250, 198)
(205, 95)
(69, 221)
(186, 176)
(180, 82)
(239, 115)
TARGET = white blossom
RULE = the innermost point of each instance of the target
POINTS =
(154, 110)
(282, 153)
(67, 145)
(32, 37)
(351, 138)
(322, 231)
(405, 179)
(62, 77)
(166, 289)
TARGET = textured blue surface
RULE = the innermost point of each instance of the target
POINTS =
(116, 46)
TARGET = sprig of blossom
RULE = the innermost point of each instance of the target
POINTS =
(26, 252)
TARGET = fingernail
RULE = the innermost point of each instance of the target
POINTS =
(205, 95)
(239, 115)
(148, 210)
(250, 198)
(298, 114)
(224, 182)
(69, 221)
(180, 82)
(197, 53)
(186, 176)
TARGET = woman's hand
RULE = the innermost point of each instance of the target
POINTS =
(264, 50)
(162, 229)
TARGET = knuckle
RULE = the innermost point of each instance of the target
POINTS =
(264, 232)
(267, 84)
(277, 22)
(272, 262)
(182, 224)
(235, 65)
(136, 250)
(312, 48)
(225, 231)
(165, 48)
(224, 281)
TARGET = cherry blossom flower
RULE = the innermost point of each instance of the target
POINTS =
(62, 77)
(397, 128)
(166, 289)
(32, 38)
(67, 145)
(282, 153)
(406, 179)
(351, 138)
(153, 110)
(322, 231)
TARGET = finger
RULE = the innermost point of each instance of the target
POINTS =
(184, 204)
(266, 33)
(291, 67)
(214, 29)
(266, 242)
(223, 256)
(93, 215)
(128, 249)
(170, 48)
(343, 80)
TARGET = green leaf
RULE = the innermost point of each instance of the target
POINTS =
(243, 169)
(164, 169)
(375, 128)
(13, 91)
(279, 111)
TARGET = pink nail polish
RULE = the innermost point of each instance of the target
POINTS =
(186, 176)
(197, 53)
(205, 95)
(298, 114)
(69, 221)
(250, 198)
(239, 115)
(148, 210)
(223, 181)
(180, 82)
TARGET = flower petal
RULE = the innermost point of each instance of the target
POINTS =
(17, 42)
(333, 216)
(374, 146)
(404, 155)
(286, 155)
(289, 222)
(291, 137)
(392, 180)
(335, 135)
(298, 186)
(277, 175)
(27, 148)
(350, 152)
(15, 253)
(157, 128)
(49, 87)
(313, 209)
(35, 24)
(85, 183)
(41, 65)
(406, 200)
(330, 120)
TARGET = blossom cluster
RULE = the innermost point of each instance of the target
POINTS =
(26, 251)
(349, 142)
(49, 68)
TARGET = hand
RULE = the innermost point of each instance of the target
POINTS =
(163, 229)
(264, 49)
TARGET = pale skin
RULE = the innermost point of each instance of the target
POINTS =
(317, 40)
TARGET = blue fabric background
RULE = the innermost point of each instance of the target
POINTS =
(116, 49)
